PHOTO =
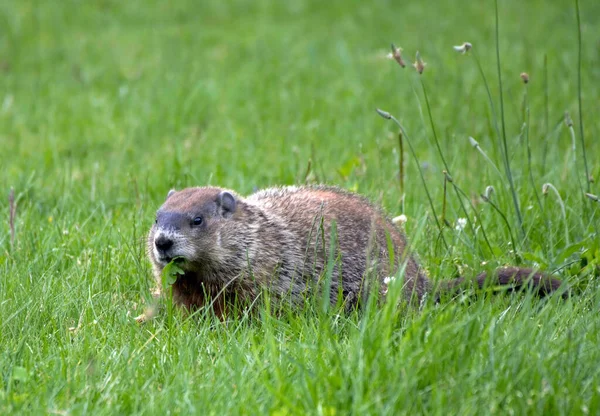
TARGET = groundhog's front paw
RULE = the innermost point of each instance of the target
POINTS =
(149, 314)
(141, 319)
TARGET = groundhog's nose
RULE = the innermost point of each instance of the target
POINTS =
(163, 243)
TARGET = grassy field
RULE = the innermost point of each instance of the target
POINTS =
(106, 105)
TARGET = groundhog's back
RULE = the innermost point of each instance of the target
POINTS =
(362, 231)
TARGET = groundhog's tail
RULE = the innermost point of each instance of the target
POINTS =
(512, 278)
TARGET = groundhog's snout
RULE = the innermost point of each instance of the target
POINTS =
(163, 246)
(163, 243)
(167, 246)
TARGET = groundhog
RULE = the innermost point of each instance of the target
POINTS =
(285, 241)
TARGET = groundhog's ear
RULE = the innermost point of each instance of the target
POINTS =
(171, 192)
(227, 204)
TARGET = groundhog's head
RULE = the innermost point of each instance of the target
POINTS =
(192, 225)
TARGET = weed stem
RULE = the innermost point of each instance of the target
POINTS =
(527, 118)
(437, 144)
(476, 145)
(545, 188)
(12, 213)
(506, 158)
(388, 116)
(587, 173)
(510, 233)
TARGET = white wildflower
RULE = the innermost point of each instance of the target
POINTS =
(460, 224)
(400, 219)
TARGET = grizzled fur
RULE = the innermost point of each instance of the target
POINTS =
(278, 239)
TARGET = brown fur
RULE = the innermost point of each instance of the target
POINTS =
(279, 239)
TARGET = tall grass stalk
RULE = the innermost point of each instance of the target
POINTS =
(401, 169)
(496, 127)
(444, 198)
(388, 116)
(504, 142)
(477, 217)
(506, 222)
(569, 124)
(579, 103)
(12, 211)
(528, 144)
(439, 149)
(546, 116)
(561, 203)
(477, 146)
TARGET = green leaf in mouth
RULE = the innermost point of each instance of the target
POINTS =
(171, 271)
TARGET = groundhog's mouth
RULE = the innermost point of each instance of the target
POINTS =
(178, 260)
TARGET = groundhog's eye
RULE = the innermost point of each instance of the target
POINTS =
(197, 221)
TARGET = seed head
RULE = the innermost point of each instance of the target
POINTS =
(464, 48)
(397, 55)
(525, 77)
(568, 120)
(383, 114)
(419, 64)
(447, 176)
(545, 188)
(593, 197)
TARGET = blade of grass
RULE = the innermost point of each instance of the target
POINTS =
(527, 118)
(439, 149)
(388, 116)
(504, 142)
(579, 103)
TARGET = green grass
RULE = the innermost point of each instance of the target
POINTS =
(106, 105)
